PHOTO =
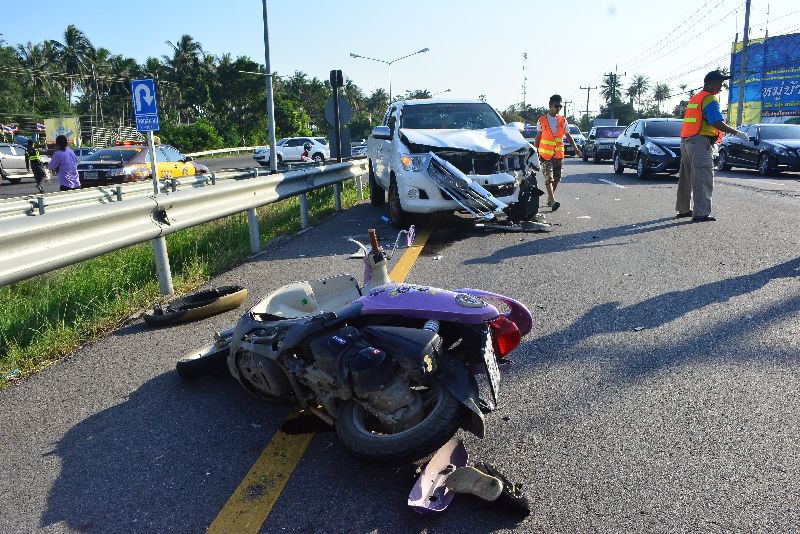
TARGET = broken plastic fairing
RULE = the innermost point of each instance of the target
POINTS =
(469, 195)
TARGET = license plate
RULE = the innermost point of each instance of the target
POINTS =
(90, 175)
(492, 369)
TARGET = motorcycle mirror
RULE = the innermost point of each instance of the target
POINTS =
(410, 235)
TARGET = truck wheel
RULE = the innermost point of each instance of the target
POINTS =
(377, 196)
(618, 168)
(400, 218)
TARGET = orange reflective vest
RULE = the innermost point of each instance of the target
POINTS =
(693, 118)
(551, 146)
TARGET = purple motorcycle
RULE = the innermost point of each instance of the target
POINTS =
(393, 367)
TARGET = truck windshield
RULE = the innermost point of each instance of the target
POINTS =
(462, 116)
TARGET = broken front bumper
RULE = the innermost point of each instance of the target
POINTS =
(440, 186)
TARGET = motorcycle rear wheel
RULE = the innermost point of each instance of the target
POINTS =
(209, 360)
(363, 437)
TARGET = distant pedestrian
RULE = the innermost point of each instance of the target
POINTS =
(550, 132)
(35, 164)
(65, 163)
(702, 128)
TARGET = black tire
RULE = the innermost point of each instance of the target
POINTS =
(377, 196)
(418, 442)
(595, 158)
(641, 168)
(763, 165)
(400, 218)
(209, 360)
(585, 157)
(618, 167)
(279, 159)
(319, 158)
(15, 180)
(723, 164)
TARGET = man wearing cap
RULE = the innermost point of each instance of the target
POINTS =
(702, 128)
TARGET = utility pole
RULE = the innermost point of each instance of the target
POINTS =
(566, 103)
(273, 162)
(588, 90)
(743, 65)
(613, 77)
(524, 80)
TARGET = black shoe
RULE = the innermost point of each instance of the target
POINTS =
(555, 205)
(704, 218)
(684, 214)
(511, 497)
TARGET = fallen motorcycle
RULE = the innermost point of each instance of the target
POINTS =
(391, 366)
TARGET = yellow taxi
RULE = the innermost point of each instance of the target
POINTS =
(130, 162)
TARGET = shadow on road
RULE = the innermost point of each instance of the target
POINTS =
(610, 318)
(562, 243)
(166, 458)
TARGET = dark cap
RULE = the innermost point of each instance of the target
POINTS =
(714, 76)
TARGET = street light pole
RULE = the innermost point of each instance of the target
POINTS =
(273, 162)
(389, 63)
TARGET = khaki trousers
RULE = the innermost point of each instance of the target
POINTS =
(696, 182)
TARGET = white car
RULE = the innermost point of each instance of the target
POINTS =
(433, 155)
(291, 148)
(12, 160)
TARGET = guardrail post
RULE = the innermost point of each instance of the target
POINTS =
(213, 179)
(118, 193)
(360, 184)
(303, 211)
(337, 196)
(40, 204)
(162, 266)
(174, 183)
(255, 235)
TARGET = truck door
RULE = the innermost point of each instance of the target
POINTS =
(386, 150)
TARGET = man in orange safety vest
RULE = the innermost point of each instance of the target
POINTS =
(550, 132)
(702, 128)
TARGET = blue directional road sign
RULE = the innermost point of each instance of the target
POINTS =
(144, 105)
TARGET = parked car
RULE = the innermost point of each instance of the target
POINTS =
(770, 148)
(600, 143)
(12, 159)
(291, 148)
(469, 135)
(577, 136)
(649, 146)
(130, 162)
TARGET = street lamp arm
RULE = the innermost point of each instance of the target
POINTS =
(370, 58)
(409, 55)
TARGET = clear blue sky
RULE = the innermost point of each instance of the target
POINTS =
(475, 47)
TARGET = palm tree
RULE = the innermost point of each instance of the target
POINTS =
(73, 54)
(638, 87)
(184, 67)
(661, 92)
(610, 91)
(33, 57)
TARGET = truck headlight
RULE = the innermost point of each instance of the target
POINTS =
(412, 162)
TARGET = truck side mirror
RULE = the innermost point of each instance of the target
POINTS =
(382, 132)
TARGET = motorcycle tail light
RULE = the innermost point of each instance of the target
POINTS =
(506, 335)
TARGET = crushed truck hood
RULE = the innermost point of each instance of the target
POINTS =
(500, 139)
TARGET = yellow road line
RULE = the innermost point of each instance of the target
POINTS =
(252, 501)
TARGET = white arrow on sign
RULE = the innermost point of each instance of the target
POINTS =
(142, 91)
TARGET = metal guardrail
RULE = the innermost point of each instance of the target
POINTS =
(78, 231)
(222, 151)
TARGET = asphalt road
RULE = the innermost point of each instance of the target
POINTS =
(659, 390)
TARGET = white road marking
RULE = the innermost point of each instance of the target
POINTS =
(612, 183)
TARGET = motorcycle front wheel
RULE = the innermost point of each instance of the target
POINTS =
(367, 439)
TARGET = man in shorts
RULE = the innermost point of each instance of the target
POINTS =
(550, 133)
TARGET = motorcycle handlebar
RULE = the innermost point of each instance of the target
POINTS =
(373, 240)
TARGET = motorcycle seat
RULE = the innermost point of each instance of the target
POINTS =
(309, 298)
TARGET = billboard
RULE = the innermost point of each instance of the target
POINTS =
(772, 80)
(69, 126)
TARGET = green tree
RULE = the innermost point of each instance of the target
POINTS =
(192, 137)
(611, 93)
(73, 55)
(637, 89)
(661, 92)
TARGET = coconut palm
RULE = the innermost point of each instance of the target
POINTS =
(35, 58)
(637, 88)
(661, 92)
(610, 90)
(72, 54)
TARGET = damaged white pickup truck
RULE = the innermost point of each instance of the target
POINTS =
(446, 155)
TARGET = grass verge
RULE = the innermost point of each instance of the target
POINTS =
(49, 316)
